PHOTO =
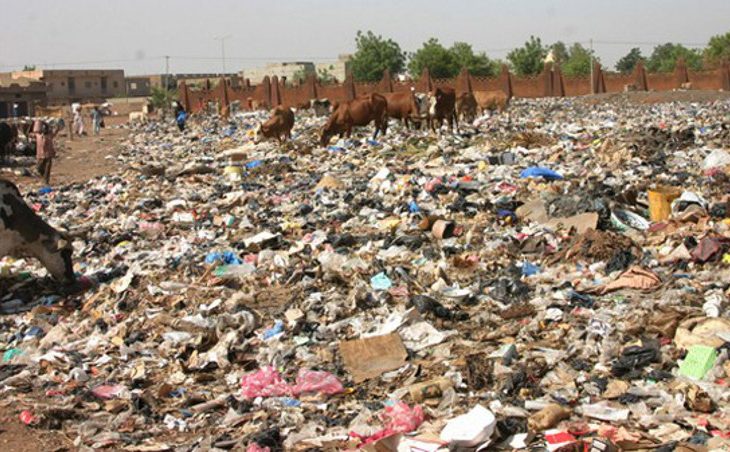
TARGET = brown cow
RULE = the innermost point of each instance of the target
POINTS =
(402, 106)
(279, 124)
(466, 107)
(358, 112)
(491, 100)
(443, 106)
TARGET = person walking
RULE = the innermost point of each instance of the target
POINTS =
(180, 117)
(45, 148)
(96, 119)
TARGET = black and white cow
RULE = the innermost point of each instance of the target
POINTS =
(8, 136)
(25, 234)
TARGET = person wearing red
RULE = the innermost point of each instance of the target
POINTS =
(45, 148)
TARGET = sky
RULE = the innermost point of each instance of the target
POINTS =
(135, 35)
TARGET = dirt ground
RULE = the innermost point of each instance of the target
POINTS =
(78, 160)
(17, 437)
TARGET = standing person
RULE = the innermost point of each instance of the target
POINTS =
(78, 120)
(96, 120)
(180, 116)
(45, 148)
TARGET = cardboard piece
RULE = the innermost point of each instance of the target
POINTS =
(373, 356)
(535, 210)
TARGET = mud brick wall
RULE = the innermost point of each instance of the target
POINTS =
(551, 82)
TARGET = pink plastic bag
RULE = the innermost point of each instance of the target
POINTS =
(398, 418)
(317, 381)
(267, 382)
(256, 448)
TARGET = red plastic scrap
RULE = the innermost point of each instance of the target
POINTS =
(267, 382)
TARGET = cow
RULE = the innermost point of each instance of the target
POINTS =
(402, 106)
(358, 112)
(422, 107)
(278, 125)
(25, 234)
(8, 137)
(442, 105)
(321, 107)
(491, 101)
(138, 117)
(466, 107)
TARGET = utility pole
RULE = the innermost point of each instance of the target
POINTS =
(592, 88)
(167, 72)
(222, 39)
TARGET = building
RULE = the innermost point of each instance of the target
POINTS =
(142, 85)
(288, 70)
(23, 92)
(337, 69)
(77, 85)
(138, 86)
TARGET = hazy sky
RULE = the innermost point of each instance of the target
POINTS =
(136, 34)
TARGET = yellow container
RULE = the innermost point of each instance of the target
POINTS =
(660, 202)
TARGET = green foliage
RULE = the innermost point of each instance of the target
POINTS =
(325, 76)
(478, 64)
(374, 55)
(578, 62)
(161, 98)
(437, 58)
(447, 63)
(560, 52)
(29, 67)
(528, 59)
(628, 62)
(664, 57)
(717, 49)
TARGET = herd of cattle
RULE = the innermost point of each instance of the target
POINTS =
(413, 109)
(23, 233)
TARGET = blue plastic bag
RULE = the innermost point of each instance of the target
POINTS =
(539, 171)
(381, 282)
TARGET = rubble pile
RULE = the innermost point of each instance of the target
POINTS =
(552, 277)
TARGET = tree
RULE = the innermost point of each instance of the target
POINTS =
(717, 49)
(528, 59)
(478, 64)
(579, 61)
(664, 57)
(560, 52)
(628, 62)
(162, 98)
(432, 55)
(374, 55)
(29, 67)
(324, 75)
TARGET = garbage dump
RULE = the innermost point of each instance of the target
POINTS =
(554, 277)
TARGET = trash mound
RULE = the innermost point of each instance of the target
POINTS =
(555, 278)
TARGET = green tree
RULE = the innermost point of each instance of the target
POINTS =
(628, 62)
(29, 67)
(578, 62)
(560, 52)
(528, 59)
(717, 49)
(478, 64)
(162, 98)
(437, 58)
(664, 57)
(324, 75)
(374, 55)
